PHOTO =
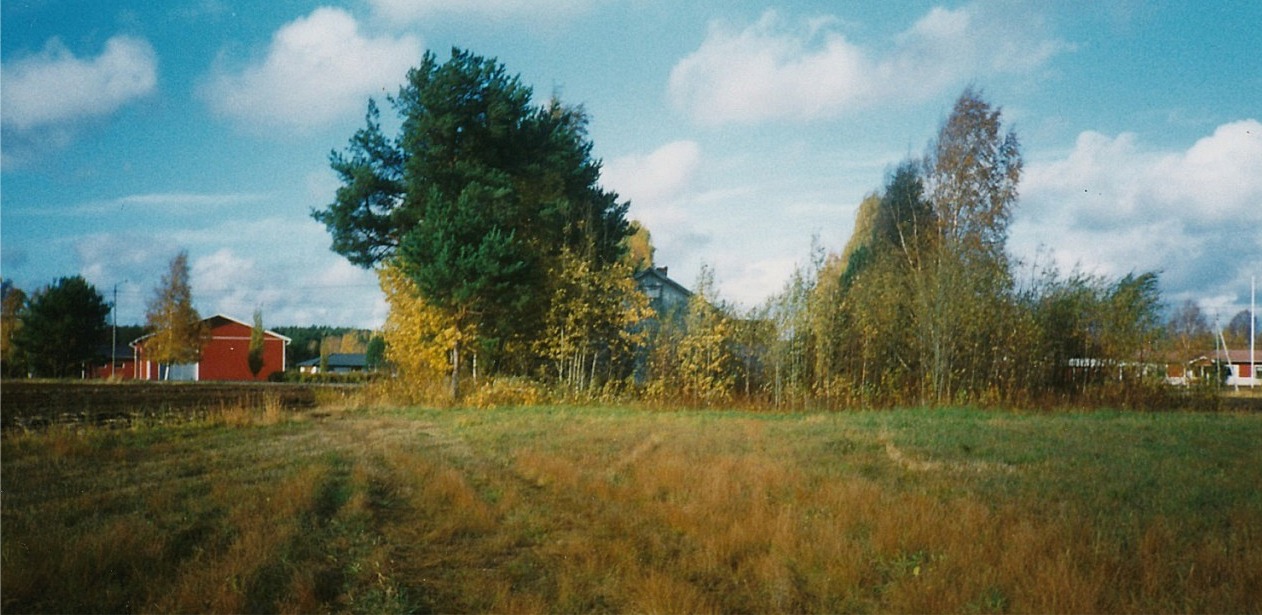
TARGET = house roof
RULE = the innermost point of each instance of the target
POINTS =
(119, 351)
(340, 359)
(658, 274)
(266, 332)
(1234, 356)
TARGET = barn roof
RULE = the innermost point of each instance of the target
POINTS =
(246, 324)
(222, 317)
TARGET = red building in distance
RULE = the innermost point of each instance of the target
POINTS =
(225, 355)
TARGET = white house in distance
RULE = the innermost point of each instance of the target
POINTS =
(1244, 369)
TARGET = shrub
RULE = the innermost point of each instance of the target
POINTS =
(497, 392)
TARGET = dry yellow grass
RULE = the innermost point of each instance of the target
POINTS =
(547, 510)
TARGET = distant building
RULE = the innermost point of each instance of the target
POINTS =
(118, 362)
(1244, 371)
(666, 296)
(337, 363)
(224, 356)
(669, 300)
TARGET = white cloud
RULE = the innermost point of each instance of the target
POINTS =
(1112, 206)
(54, 87)
(232, 284)
(660, 187)
(765, 71)
(140, 209)
(749, 282)
(235, 266)
(656, 178)
(318, 68)
(290, 290)
(198, 201)
(127, 258)
(775, 69)
(411, 11)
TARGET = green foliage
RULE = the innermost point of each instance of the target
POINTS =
(905, 221)
(375, 353)
(705, 354)
(254, 355)
(971, 172)
(368, 218)
(1090, 332)
(593, 325)
(62, 326)
(480, 197)
(486, 215)
(12, 305)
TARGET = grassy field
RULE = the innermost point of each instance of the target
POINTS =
(597, 509)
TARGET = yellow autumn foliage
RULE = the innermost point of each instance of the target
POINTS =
(419, 336)
(592, 322)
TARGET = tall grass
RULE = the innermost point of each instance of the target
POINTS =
(571, 509)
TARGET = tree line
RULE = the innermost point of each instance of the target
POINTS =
(502, 256)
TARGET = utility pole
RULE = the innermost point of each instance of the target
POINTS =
(114, 337)
(1253, 333)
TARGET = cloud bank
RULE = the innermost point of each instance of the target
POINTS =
(317, 69)
(303, 284)
(1113, 206)
(777, 69)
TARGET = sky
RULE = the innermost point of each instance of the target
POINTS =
(741, 132)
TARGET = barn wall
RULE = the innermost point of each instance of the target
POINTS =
(225, 357)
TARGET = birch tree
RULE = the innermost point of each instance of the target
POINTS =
(971, 174)
(177, 329)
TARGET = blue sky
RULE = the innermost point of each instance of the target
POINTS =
(738, 130)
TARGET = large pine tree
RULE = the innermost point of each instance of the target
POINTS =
(476, 200)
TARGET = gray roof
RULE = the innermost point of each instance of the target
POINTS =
(339, 359)
(658, 275)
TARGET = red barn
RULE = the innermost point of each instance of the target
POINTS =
(225, 356)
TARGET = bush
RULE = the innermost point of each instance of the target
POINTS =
(498, 392)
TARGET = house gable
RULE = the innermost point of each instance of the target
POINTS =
(665, 294)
